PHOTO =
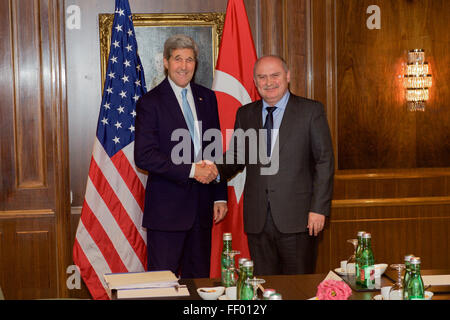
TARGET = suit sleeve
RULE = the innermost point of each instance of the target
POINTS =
(233, 160)
(322, 151)
(147, 152)
(220, 189)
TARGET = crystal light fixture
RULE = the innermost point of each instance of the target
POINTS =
(417, 80)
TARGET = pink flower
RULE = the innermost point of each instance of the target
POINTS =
(333, 290)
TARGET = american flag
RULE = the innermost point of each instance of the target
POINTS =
(110, 237)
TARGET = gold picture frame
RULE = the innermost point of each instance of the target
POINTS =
(206, 27)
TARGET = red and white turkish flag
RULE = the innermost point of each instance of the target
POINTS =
(234, 87)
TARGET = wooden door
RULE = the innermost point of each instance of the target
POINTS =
(33, 146)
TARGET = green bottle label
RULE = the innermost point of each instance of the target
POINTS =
(367, 276)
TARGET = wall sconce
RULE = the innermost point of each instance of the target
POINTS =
(417, 80)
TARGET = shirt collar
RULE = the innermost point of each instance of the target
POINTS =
(177, 89)
(281, 104)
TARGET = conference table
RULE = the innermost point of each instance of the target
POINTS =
(303, 287)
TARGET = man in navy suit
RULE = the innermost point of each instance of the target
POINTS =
(179, 205)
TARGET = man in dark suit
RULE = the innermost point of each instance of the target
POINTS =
(287, 200)
(179, 206)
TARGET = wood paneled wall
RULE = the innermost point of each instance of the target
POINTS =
(34, 206)
(375, 128)
(393, 174)
(284, 32)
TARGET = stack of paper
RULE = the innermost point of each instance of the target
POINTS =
(332, 276)
(151, 284)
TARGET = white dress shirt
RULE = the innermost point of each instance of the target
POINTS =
(177, 90)
(190, 98)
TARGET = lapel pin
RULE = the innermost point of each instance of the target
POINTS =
(200, 98)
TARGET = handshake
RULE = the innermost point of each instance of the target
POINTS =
(205, 171)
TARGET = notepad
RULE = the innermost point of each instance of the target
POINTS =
(132, 280)
(333, 276)
(151, 284)
(142, 293)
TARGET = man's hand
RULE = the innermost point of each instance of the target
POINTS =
(205, 171)
(316, 223)
(220, 211)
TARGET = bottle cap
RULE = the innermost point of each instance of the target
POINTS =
(408, 257)
(415, 260)
(248, 263)
(367, 235)
(275, 296)
(360, 233)
(227, 236)
(241, 261)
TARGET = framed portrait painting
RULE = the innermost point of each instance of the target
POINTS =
(152, 30)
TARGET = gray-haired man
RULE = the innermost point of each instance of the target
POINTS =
(179, 206)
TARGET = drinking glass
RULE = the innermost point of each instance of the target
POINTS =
(351, 261)
(255, 282)
(396, 292)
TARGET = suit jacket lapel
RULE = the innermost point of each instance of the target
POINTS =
(258, 116)
(171, 104)
(256, 122)
(199, 103)
(200, 109)
(287, 123)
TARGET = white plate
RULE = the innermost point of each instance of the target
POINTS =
(428, 296)
(381, 268)
(341, 272)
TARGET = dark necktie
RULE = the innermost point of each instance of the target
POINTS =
(268, 125)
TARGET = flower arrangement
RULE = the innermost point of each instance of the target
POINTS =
(333, 290)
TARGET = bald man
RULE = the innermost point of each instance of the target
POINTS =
(284, 210)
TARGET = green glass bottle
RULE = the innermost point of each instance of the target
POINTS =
(240, 278)
(415, 284)
(366, 263)
(407, 275)
(357, 254)
(225, 262)
(247, 289)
